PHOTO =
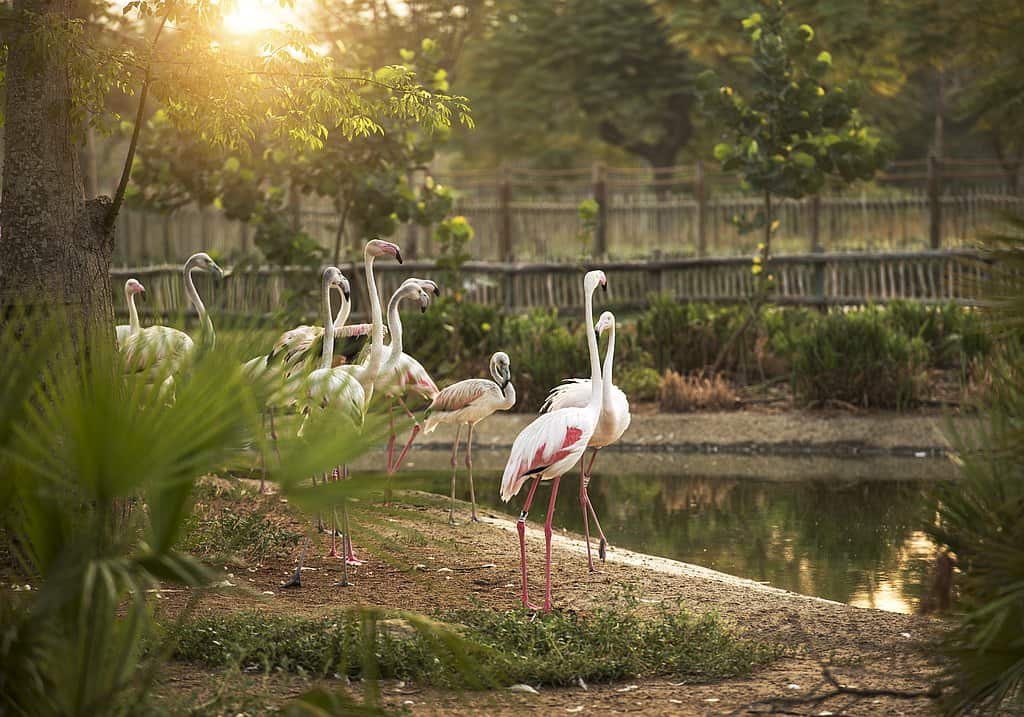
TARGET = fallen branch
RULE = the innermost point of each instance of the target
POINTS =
(779, 705)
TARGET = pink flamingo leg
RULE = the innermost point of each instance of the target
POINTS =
(350, 555)
(412, 435)
(334, 534)
(469, 467)
(263, 460)
(547, 545)
(603, 546)
(391, 452)
(521, 528)
(455, 470)
(586, 525)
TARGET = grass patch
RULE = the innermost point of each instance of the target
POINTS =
(491, 648)
(236, 536)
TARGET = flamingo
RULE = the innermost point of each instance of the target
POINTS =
(549, 447)
(469, 402)
(400, 373)
(162, 350)
(131, 288)
(614, 422)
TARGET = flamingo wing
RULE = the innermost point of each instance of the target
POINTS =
(550, 445)
(462, 394)
(571, 393)
(413, 377)
(160, 350)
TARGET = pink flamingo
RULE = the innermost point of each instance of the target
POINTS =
(469, 402)
(613, 423)
(123, 331)
(548, 448)
(401, 374)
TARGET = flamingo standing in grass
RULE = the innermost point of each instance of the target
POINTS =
(614, 420)
(131, 288)
(161, 350)
(401, 374)
(548, 448)
(469, 402)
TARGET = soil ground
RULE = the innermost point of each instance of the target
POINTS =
(416, 561)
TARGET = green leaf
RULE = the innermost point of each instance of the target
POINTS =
(825, 57)
(723, 152)
(752, 21)
(803, 159)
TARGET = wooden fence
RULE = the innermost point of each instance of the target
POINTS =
(811, 279)
(687, 211)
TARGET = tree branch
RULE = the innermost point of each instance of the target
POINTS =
(126, 171)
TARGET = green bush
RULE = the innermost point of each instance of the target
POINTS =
(856, 358)
(639, 384)
(687, 337)
(953, 334)
(544, 352)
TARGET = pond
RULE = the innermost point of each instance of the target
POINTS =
(856, 541)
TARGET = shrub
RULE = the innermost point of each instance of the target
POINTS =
(856, 358)
(680, 394)
(953, 334)
(687, 336)
(545, 352)
(640, 384)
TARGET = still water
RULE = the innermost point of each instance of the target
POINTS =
(854, 541)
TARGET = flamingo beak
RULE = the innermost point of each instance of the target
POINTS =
(437, 290)
(346, 291)
(604, 286)
(216, 270)
(398, 255)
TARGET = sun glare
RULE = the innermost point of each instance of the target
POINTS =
(252, 16)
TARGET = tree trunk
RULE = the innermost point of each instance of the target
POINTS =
(54, 246)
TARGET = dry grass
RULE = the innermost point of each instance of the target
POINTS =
(680, 394)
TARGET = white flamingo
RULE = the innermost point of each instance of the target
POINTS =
(131, 288)
(613, 423)
(364, 374)
(548, 448)
(162, 350)
(401, 374)
(469, 402)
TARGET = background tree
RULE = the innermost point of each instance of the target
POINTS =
(56, 245)
(610, 68)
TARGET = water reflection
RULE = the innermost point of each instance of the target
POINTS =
(851, 541)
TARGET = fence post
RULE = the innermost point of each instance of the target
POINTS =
(505, 218)
(700, 190)
(934, 205)
(817, 248)
(601, 197)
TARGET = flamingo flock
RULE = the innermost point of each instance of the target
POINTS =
(300, 373)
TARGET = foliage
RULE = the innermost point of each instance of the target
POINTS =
(510, 647)
(979, 518)
(587, 212)
(366, 177)
(235, 535)
(575, 68)
(452, 235)
(546, 353)
(854, 358)
(687, 336)
(679, 394)
(98, 475)
(639, 383)
(954, 335)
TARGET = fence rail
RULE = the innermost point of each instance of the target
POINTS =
(531, 215)
(812, 279)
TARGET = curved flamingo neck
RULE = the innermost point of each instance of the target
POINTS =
(327, 357)
(372, 365)
(133, 313)
(606, 375)
(343, 313)
(595, 360)
(200, 307)
(395, 329)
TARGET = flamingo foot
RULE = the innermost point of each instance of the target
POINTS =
(530, 606)
(295, 582)
(475, 519)
(354, 561)
(343, 583)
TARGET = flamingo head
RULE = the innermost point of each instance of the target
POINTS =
(379, 247)
(414, 289)
(501, 369)
(594, 279)
(203, 261)
(333, 279)
(133, 286)
(429, 286)
(605, 322)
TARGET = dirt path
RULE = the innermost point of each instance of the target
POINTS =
(416, 561)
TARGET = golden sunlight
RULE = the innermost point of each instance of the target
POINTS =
(252, 16)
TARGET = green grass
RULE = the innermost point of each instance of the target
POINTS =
(232, 535)
(493, 648)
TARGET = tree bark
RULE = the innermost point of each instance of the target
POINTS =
(54, 245)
